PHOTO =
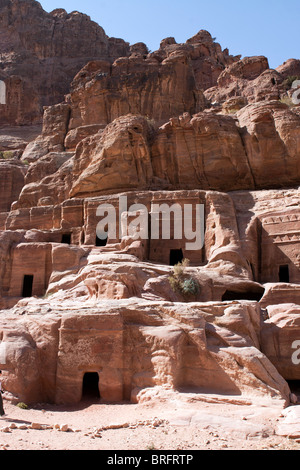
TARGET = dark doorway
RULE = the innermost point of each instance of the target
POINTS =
(253, 296)
(27, 286)
(284, 274)
(176, 256)
(294, 387)
(66, 238)
(90, 386)
(100, 242)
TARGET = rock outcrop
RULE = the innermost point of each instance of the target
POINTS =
(12, 179)
(142, 345)
(41, 52)
(258, 149)
(189, 137)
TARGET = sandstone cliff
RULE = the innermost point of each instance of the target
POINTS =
(257, 149)
(41, 52)
(187, 125)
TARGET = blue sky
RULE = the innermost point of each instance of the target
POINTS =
(256, 27)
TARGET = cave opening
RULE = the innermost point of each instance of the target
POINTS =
(284, 274)
(27, 285)
(253, 296)
(294, 387)
(66, 238)
(90, 386)
(176, 256)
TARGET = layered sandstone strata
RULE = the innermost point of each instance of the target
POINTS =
(187, 125)
(255, 150)
(12, 179)
(41, 52)
(138, 345)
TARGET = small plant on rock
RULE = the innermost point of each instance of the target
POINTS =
(22, 406)
(190, 287)
(183, 283)
(6, 155)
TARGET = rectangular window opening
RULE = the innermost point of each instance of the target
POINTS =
(284, 274)
(27, 285)
(66, 238)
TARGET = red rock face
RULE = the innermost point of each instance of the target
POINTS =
(257, 150)
(41, 53)
(207, 58)
(12, 178)
(185, 125)
(136, 86)
(290, 68)
(249, 79)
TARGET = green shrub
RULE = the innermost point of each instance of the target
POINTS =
(22, 405)
(174, 283)
(182, 283)
(190, 287)
(180, 267)
(6, 155)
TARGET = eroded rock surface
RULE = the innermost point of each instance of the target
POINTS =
(136, 131)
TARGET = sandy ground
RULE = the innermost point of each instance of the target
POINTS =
(179, 423)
